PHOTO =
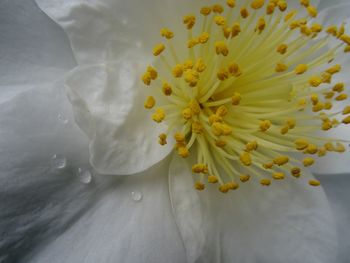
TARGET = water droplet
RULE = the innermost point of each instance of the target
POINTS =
(136, 196)
(84, 176)
(62, 118)
(58, 161)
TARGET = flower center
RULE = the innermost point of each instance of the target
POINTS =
(248, 91)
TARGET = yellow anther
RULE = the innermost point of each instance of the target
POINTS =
(162, 139)
(149, 102)
(227, 31)
(200, 65)
(315, 81)
(265, 182)
(218, 9)
(223, 189)
(339, 87)
(322, 152)
(345, 39)
(220, 143)
(308, 161)
(314, 183)
(296, 172)
(305, 3)
(203, 38)
(291, 123)
(341, 30)
(245, 159)
(261, 24)
(311, 149)
(205, 10)
(165, 32)
(146, 78)
(270, 8)
(222, 74)
(280, 67)
(187, 114)
(282, 5)
(290, 15)
(316, 28)
(346, 120)
(159, 115)
(294, 24)
(244, 178)
(314, 99)
(329, 146)
(221, 48)
(275, 2)
(199, 186)
(188, 64)
(236, 29)
(267, 165)
(328, 105)
(265, 125)
(326, 77)
(341, 97)
(177, 71)
(221, 129)
(221, 111)
(244, 12)
(251, 146)
(167, 90)
(220, 20)
(158, 49)
(191, 77)
(236, 98)
(301, 144)
(347, 49)
(300, 69)
(197, 127)
(212, 179)
(192, 42)
(257, 4)
(281, 160)
(231, 3)
(278, 176)
(153, 72)
(332, 30)
(318, 107)
(305, 30)
(340, 148)
(334, 69)
(232, 185)
(194, 106)
(329, 95)
(284, 130)
(327, 125)
(302, 103)
(200, 168)
(179, 137)
(312, 11)
(214, 118)
(189, 21)
(183, 152)
(346, 110)
(234, 69)
(282, 49)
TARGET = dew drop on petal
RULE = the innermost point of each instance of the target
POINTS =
(58, 161)
(84, 176)
(136, 196)
(62, 118)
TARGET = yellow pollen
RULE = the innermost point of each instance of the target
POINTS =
(268, 165)
(301, 144)
(345, 39)
(290, 15)
(205, 11)
(308, 161)
(188, 64)
(192, 42)
(222, 74)
(316, 28)
(162, 139)
(232, 185)
(159, 115)
(251, 146)
(236, 99)
(212, 179)
(282, 49)
(199, 186)
(197, 127)
(200, 168)
(214, 118)
(164, 32)
(244, 12)
(244, 178)
(346, 120)
(220, 143)
(291, 123)
(339, 87)
(257, 4)
(245, 159)
(221, 48)
(200, 65)
(179, 137)
(278, 176)
(167, 90)
(270, 8)
(341, 97)
(218, 9)
(312, 11)
(177, 71)
(261, 24)
(236, 29)
(146, 78)
(282, 5)
(300, 69)
(281, 160)
(191, 77)
(314, 183)
(189, 21)
(315, 81)
(322, 152)
(334, 69)
(265, 125)
(220, 20)
(158, 49)
(187, 114)
(223, 189)
(183, 152)
(150, 102)
(280, 67)
(346, 110)
(221, 111)
(265, 182)
(305, 3)
(231, 3)
(203, 38)
(194, 106)
(296, 172)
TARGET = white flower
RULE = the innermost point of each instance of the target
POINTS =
(51, 217)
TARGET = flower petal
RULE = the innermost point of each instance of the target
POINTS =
(108, 107)
(186, 207)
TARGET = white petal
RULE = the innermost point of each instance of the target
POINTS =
(108, 106)
(119, 229)
(33, 49)
(286, 222)
(186, 208)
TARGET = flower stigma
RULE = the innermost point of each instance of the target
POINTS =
(248, 91)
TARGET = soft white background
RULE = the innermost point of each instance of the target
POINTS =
(30, 42)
